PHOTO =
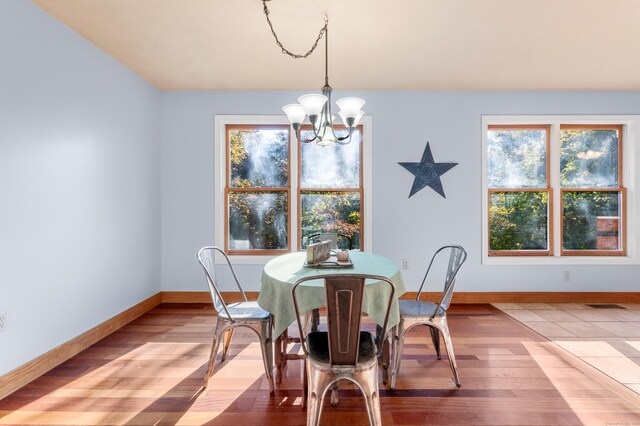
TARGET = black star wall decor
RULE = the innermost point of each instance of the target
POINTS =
(427, 172)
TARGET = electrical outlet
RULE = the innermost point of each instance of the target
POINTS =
(405, 263)
(3, 321)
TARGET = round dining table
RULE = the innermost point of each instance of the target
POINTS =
(280, 273)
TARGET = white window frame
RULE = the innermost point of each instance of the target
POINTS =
(630, 174)
(220, 154)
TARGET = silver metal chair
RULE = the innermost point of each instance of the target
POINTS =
(417, 312)
(338, 241)
(230, 316)
(344, 351)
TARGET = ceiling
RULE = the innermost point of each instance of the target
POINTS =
(373, 44)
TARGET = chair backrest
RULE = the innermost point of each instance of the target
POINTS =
(344, 294)
(338, 241)
(457, 256)
(206, 257)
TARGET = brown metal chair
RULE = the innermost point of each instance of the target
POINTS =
(344, 351)
(418, 312)
(230, 316)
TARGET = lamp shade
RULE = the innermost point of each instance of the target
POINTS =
(356, 119)
(350, 107)
(295, 113)
(312, 103)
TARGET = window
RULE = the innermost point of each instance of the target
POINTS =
(277, 192)
(518, 174)
(330, 191)
(592, 196)
(555, 188)
(257, 189)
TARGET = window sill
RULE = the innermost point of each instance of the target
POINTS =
(244, 259)
(557, 260)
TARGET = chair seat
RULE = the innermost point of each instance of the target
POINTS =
(244, 311)
(318, 344)
(418, 309)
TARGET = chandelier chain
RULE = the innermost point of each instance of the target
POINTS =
(322, 32)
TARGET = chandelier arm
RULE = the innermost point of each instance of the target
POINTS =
(297, 130)
(347, 138)
(323, 30)
(306, 140)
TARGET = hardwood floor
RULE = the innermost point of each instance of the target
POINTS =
(150, 373)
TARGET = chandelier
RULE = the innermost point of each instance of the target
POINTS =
(318, 106)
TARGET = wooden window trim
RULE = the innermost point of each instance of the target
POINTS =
(359, 190)
(228, 189)
(550, 236)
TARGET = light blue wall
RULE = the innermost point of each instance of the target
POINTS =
(79, 185)
(403, 228)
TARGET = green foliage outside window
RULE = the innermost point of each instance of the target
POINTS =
(331, 212)
(518, 221)
(580, 213)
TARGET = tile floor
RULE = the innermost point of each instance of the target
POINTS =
(606, 338)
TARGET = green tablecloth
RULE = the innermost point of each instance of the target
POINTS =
(281, 272)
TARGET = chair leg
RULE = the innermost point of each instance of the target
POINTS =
(394, 352)
(372, 398)
(397, 353)
(270, 347)
(314, 409)
(318, 385)
(444, 329)
(305, 383)
(435, 338)
(226, 341)
(278, 355)
(214, 353)
(315, 320)
(384, 360)
(266, 346)
(335, 398)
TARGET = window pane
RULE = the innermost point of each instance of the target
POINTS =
(516, 158)
(591, 220)
(589, 158)
(258, 220)
(259, 157)
(518, 221)
(331, 166)
(335, 212)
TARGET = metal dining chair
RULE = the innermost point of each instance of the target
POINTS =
(344, 351)
(338, 241)
(232, 315)
(418, 312)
